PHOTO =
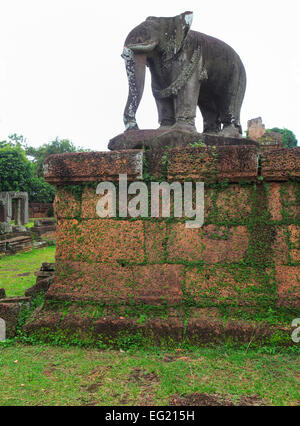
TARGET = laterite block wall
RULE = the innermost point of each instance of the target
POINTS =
(236, 277)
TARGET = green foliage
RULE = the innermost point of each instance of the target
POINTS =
(288, 138)
(55, 147)
(17, 173)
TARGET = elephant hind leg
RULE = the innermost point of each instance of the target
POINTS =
(230, 119)
(211, 119)
(230, 107)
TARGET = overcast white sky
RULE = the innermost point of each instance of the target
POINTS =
(61, 73)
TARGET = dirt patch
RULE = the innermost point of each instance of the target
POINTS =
(93, 387)
(147, 382)
(199, 400)
(96, 377)
(177, 357)
(252, 400)
(215, 400)
(139, 375)
(26, 274)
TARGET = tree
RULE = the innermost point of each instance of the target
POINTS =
(55, 147)
(17, 173)
(288, 138)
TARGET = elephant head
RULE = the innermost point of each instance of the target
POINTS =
(155, 37)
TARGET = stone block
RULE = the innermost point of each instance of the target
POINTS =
(210, 244)
(10, 313)
(155, 240)
(284, 201)
(286, 247)
(66, 205)
(150, 284)
(281, 165)
(224, 285)
(80, 167)
(234, 163)
(288, 286)
(102, 240)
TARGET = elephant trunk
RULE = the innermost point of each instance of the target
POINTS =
(136, 70)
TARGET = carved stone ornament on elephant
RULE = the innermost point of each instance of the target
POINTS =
(187, 68)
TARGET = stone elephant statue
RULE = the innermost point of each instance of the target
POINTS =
(188, 69)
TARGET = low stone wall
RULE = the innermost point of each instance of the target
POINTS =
(236, 278)
(38, 210)
(15, 242)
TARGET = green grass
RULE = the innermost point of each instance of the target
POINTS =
(30, 223)
(48, 375)
(13, 267)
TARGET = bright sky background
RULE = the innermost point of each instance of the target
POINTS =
(61, 73)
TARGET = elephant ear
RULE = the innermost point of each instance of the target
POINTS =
(174, 32)
(183, 24)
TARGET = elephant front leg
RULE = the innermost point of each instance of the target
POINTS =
(185, 104)
(165, 108)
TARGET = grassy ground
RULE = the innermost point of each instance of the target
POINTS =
(17, 272)
(43, 375)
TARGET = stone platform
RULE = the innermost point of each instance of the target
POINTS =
(171, 138)
(158, 280)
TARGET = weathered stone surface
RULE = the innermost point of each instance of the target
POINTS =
(162, 139)
(93, 166)
(156, 284)
(16, 244)
(119, 266)
(231, 204)
(224, 284)
(150, 284)
(270, 141)
(66, 205)
(45, 277)
(91, 281)
(106, 240)
(210, 244)
(286, 247)
(281, 164)
(17, 299)
(44, 226)
(157, 329)
(256, 128)
(207, 331)
(38, 210)
(235, 163)
(155, 239)
(288, 286)
(44, 321)
(89, 203)
(283, 201)
(17, 211)
(10, 313)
